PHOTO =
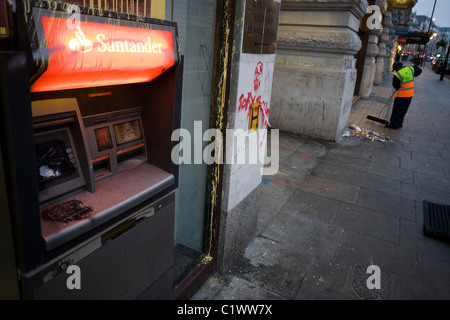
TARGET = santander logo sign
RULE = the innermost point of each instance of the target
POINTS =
(103, 52)
(81, 44)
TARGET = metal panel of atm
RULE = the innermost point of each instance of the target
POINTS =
(101, 152)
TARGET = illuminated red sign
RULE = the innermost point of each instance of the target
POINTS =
(100, 53)
(402, 39)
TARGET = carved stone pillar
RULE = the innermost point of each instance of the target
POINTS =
(368, 75)
(315, 74)
(379, 73)
(372, 51)
(391, 49)
(389, 43)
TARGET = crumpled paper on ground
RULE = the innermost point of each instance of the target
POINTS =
(365, 134)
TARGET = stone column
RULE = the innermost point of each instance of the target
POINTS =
(315, 74)
(379, 73)
(368, 74)
(389, 43)
(372, 51)
(250, 83)
(391, 49)
(380, 59)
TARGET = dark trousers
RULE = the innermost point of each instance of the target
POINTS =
(399, 111)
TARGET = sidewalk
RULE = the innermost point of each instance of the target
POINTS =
(334, 209)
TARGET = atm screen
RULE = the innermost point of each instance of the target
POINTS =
(55, 159)
(127, 132)
(57, 164)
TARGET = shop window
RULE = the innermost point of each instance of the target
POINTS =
(148, 8)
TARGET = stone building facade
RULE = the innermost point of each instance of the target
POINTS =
(330, 52)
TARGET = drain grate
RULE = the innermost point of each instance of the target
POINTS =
(359, 284)
(436, 220)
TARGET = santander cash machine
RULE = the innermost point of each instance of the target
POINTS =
(95, 194)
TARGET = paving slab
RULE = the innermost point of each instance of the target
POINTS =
(357, 248)
(311, 205)
(393, 172)
(337, 173)
(431, 181)
(413, 237)
(345, 162)
(369, 222)
(272, 198)
(331, 189)
(297, 167)
(241, 289)
(353, 151)
(272, 266)
(432, 166)
(325, 281)
(433, 277)
(387, 203)
(420, 193)
(377, 183)
(304, 234)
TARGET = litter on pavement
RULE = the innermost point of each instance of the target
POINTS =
(363, 133)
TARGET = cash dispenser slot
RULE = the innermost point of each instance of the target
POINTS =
(116, 141)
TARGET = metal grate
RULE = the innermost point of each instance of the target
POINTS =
(436, 218)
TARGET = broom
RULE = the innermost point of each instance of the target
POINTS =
(377, 118)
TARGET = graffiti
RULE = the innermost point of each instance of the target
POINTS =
(348, 63)
(286, 183)
(253, 105)
(258, 75)
(306, 156)
(252, 102)
(353, 76)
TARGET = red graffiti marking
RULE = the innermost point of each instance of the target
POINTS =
(348, 63)
(258, 75)
(246, 103)
(285, 183)
(333, 164)
(306, 156)
(352, 76)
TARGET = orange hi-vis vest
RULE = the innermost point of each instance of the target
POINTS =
(406, 77)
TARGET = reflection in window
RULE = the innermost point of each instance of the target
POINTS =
(137, 7)
(196, 27)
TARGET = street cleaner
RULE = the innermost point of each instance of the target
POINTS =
(403, 82)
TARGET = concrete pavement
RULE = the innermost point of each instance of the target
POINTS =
(334, 209)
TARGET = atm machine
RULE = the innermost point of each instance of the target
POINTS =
(90, 104)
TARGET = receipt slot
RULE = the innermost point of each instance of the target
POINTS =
(96, 121)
